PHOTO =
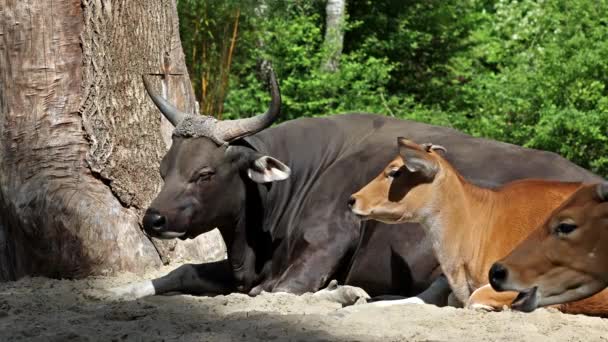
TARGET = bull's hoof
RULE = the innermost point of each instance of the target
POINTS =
(405, 301)
(387, 304)
(131, 291)
(345, 295)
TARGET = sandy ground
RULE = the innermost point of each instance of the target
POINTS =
(40, 309)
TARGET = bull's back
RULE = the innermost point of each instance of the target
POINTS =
(332, 157)
(480, 160)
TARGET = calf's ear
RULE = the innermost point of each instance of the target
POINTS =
(416, 158)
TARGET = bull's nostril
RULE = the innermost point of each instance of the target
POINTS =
(498, 275)
(154, 222)
(158, 222)
(351, 202)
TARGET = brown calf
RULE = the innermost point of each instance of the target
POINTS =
(471, 227)
(564, 259)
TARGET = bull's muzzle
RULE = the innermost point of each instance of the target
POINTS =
(157, 225)
(154, 222)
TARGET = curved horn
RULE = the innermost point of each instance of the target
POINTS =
(235, 129)
(172, 114)
(602, 191)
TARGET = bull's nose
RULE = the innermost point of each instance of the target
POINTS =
(155, 221)
(351, 202)
(498, 275)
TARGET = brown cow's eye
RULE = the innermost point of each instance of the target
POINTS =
(565, 228)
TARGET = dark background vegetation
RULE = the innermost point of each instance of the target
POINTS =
(533, 73)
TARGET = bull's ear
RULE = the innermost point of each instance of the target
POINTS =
(416, 158)
(602, 191)
(266, 169)
(259, 168)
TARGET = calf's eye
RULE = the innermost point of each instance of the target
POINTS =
(394, 173)
(565, 228)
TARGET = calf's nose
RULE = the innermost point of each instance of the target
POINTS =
(154, 221)
(498, 275)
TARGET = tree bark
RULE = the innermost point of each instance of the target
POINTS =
(80, 142)
(334, 34)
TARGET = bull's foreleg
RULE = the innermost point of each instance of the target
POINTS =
(311, 270)
(437, 293)
(202, 279)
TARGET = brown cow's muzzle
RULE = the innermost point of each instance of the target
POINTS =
(542, 286)
(498, 274)
(527, 300)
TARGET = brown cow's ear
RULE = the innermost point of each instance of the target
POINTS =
(416, 158)
(602, 191)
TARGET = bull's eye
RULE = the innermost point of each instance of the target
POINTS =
(394, 173)
(203, 176)
(565, 228)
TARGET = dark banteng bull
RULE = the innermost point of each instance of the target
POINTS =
(279, 198)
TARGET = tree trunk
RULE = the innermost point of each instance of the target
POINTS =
(334, 34)
(80, 142)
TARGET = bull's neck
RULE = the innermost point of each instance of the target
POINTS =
(460, 224)
(245, 238)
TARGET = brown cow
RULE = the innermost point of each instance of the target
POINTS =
(565, 259)
(470, 227)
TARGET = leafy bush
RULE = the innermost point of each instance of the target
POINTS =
(576, 135)
(536, 75)
(294, 45)
(533, 73)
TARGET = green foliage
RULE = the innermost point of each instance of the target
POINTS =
(577, 135)
(293, 42)
(533, 73)
(536, 75)
(419, 37)
(206, 30)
